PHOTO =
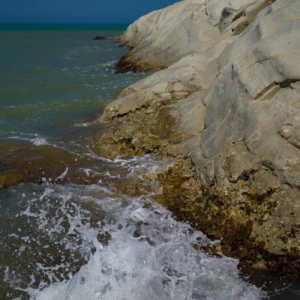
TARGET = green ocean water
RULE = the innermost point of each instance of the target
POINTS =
(56, 75)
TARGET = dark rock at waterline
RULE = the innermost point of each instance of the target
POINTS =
(41, 164)
(10, 177)
(125, 69)
(128, 63)
(125, 66)
(97, 38)
(120, 45)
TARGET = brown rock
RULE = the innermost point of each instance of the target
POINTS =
(10, 178)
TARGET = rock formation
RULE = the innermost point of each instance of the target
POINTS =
(226, 98)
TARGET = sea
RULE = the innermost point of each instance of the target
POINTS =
(67, 229)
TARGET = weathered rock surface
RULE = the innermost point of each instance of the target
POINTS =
(228, 99)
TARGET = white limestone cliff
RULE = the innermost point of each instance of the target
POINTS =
(231, 73)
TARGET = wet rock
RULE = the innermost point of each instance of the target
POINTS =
(10, 178)
(123, 67)
(120, 45)
(45, 164)
(99, 38)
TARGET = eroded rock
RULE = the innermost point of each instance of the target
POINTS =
(227, 100)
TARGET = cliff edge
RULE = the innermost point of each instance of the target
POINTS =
(225, 106)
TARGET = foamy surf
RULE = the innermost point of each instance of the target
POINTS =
(150, 256)
(39, 141)
(92, 242)
(35, 139)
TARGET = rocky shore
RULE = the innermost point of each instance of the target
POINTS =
(224, 105)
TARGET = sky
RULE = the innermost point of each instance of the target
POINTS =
(77, 11)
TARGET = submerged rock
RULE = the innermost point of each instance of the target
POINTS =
(225, 101)
(98, 38)
(10, 177)
(44, 164)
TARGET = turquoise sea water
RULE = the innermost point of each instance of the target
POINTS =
(90, 241)
(51, 77)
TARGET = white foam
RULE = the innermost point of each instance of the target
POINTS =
(82, 124)
(139, 166)
(128, 248)
(62, 176)
(39, 141)
(149, 256)
(16, 137)
(109, 63)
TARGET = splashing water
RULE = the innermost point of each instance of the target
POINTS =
(93, 242)
(151, 256)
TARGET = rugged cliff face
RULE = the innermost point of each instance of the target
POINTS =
(227, 100)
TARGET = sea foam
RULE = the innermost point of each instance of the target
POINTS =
(139, 251)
